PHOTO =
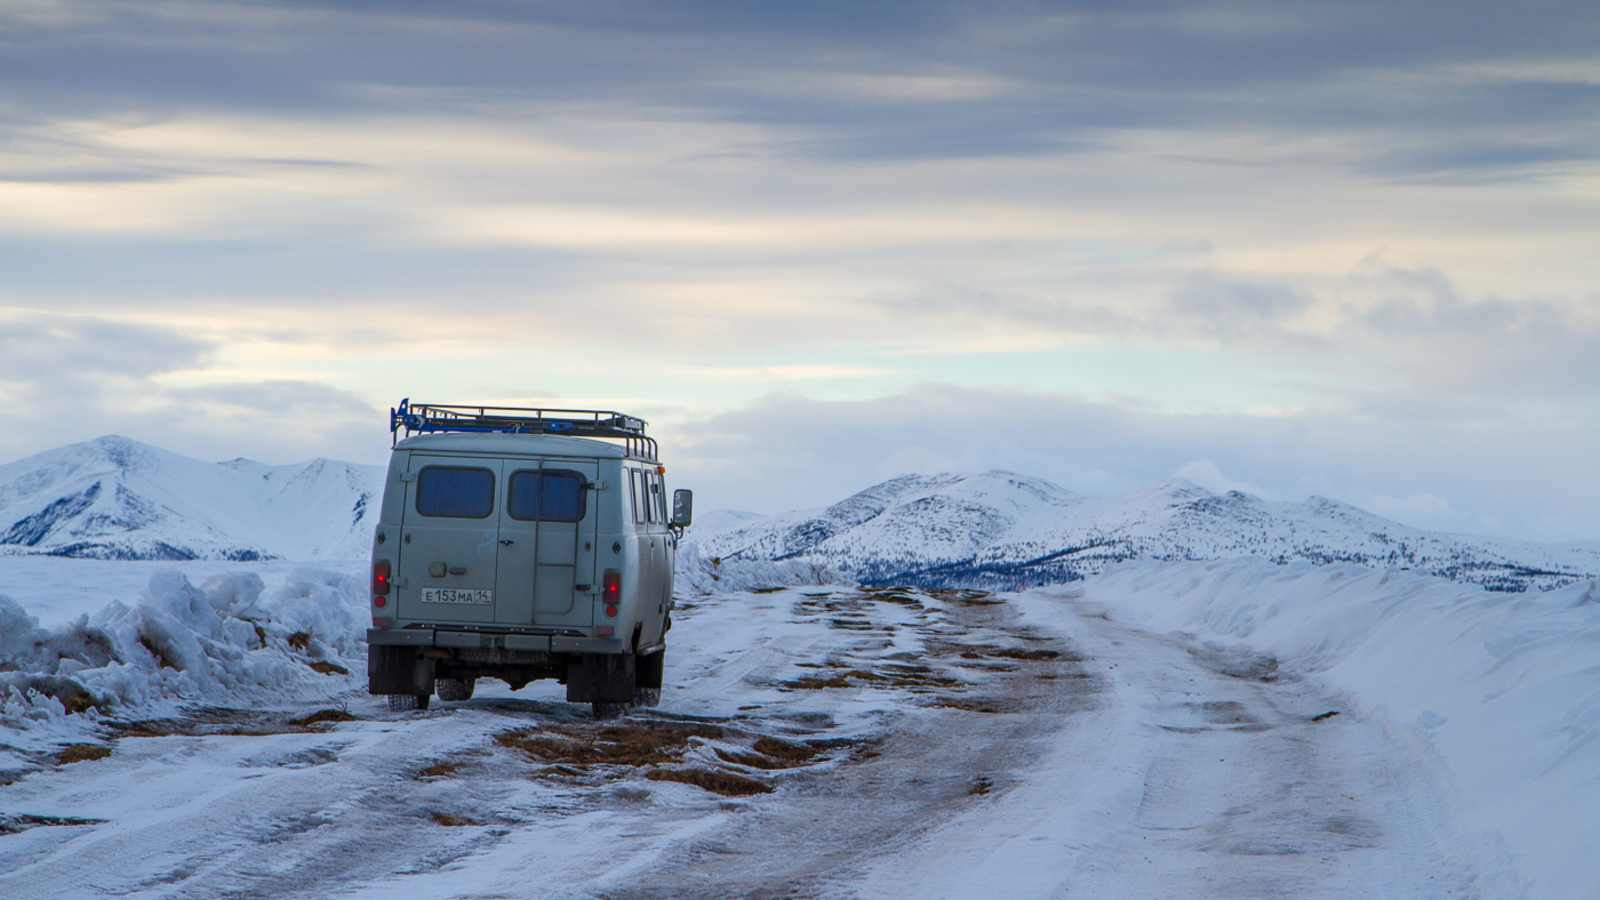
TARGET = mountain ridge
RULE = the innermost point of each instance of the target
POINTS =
(117, 498)
(113, 497)
(1000, 529)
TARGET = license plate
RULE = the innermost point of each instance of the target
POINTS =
(474, 596)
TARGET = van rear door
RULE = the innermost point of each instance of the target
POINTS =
(547, 571)
(449, 546)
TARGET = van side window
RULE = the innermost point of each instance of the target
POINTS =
(637, 494)
(659, 490)
(455, 492)
(650, 496)
(550, 495)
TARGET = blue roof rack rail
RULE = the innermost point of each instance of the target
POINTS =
(427, 418)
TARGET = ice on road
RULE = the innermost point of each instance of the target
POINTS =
(813, 742)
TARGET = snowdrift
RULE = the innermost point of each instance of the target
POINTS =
(1505, 688)
(702, 572)
(227, 642)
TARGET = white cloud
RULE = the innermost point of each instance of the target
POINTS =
(1205, 473)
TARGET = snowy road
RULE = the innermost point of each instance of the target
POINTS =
(810, 742)
(1202, 773)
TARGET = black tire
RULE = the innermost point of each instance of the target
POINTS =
(454, 689)
(407, 702)
(607, 710)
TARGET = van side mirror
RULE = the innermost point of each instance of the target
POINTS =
(682, 508)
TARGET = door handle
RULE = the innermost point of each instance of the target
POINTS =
(506, 542)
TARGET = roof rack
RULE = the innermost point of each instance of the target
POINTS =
(425, 418)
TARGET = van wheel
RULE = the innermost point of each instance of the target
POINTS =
(407, 702)
(454, 688)
(608, 710)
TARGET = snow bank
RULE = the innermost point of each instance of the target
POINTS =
(701, 572)
(1505, 688)
(226, 642)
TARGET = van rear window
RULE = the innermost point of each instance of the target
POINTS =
(455, 492)
(551, 495)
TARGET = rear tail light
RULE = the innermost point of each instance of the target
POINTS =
(380, 578)
(611, 592)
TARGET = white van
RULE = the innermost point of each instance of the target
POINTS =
(519, 544)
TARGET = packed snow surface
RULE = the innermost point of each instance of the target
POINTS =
(1503, 689)
(1164, 729)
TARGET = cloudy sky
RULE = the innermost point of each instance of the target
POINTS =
(1346, 249)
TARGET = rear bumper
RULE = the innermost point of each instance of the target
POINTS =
(447, 639)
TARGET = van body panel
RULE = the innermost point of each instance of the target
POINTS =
(514, 592)
(550, 566)
(457, 553)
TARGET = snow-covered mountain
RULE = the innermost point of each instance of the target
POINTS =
(116, 498)
(1001, 529)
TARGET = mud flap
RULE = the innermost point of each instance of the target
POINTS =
(601, 678)
(651, 668)
(398, 670)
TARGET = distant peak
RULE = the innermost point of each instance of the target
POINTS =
(1007, 474)
(1181, 487)
(1317, 501)
(124, 452)
(241, 462)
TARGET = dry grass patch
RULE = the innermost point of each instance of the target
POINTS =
(899, 676)
(76, 753)
(452, 821)
(321, 716)
(895, 598)
(1025, 653)
(980, 787)
(854, 623)
(770, 754)
(328, 668)
(938, 648)
(443, 769)
(17, 824)
(727, 784)
(818, 682)
(629, 744)
(991, 705)
(794, 754)
(300, 640)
